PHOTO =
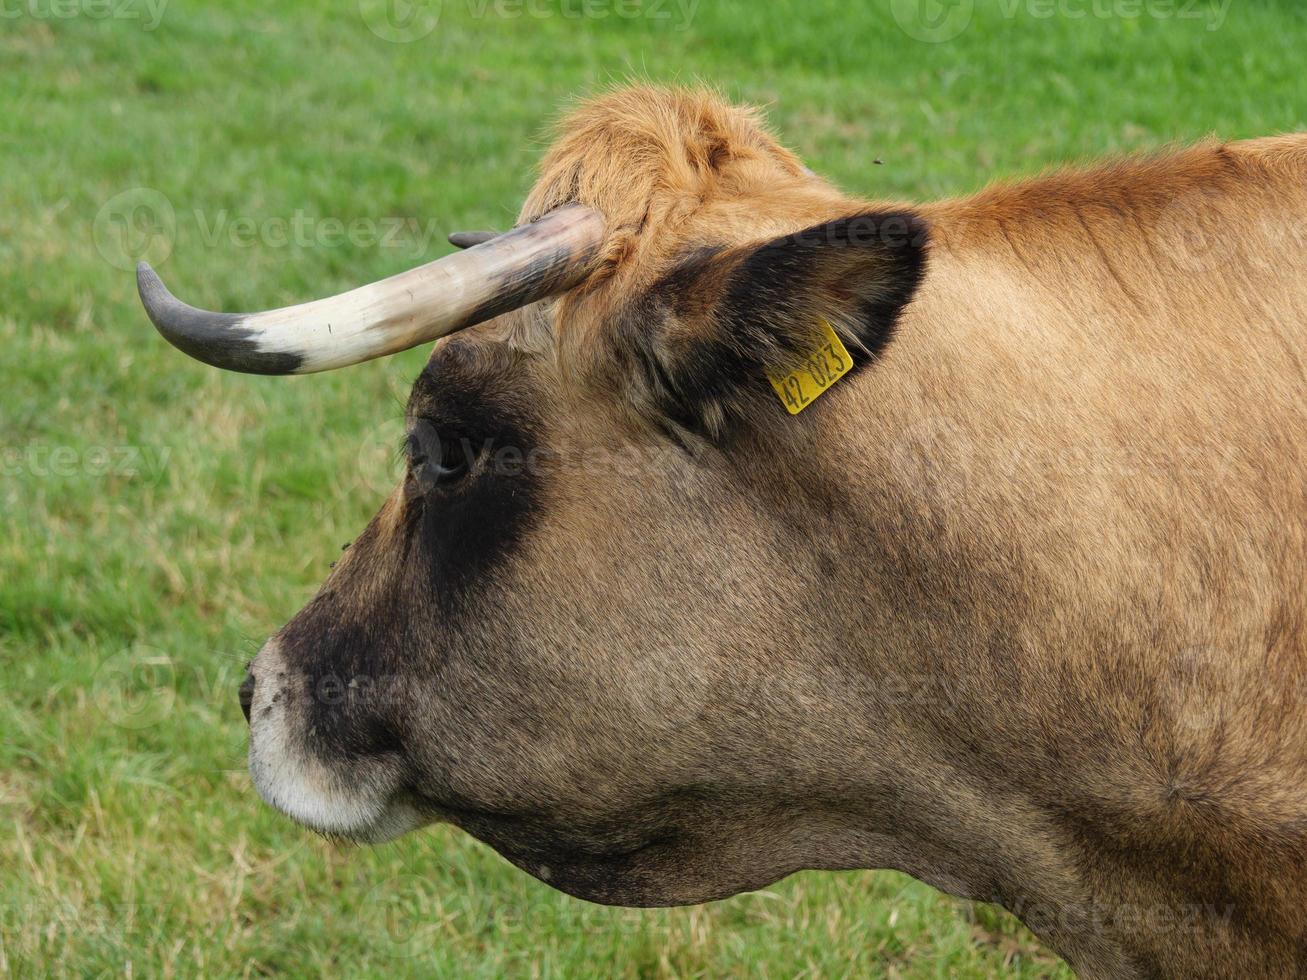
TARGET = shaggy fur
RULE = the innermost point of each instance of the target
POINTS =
(1017, 607)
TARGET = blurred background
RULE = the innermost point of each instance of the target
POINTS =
(159, 518)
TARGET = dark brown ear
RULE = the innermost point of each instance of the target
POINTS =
(704, 339)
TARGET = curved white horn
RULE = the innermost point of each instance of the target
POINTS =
(544, 258)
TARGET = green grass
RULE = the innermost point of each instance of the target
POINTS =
(160, 518)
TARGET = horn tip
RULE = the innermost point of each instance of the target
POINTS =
(153, 292)
(470, 239)
(220, 339)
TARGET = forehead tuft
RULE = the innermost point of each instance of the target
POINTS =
(669, 169)
(617, 151)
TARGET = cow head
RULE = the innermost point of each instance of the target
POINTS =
(609, 623)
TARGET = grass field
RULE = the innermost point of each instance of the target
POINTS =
(160, 518)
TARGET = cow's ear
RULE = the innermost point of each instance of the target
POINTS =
(704, 340)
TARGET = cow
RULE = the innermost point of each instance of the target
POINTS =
(749, 527)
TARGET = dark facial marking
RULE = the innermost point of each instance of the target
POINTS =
(358, 646)
(352, 691)
(475, 492)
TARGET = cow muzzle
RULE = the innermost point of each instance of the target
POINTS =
(361, 798)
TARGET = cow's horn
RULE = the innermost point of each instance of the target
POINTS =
(470, 239)
(538, 260)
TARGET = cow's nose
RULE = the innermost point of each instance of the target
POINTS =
(247, 693)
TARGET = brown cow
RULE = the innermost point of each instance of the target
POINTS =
(1016, 605)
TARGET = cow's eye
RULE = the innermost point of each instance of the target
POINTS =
(437, 459)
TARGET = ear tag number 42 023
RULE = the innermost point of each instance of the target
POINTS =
(825, 365)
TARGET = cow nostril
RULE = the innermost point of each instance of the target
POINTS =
(247, 693)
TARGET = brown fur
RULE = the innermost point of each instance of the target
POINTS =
(1018, 608)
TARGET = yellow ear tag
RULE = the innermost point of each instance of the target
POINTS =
(815, 375)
